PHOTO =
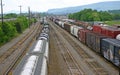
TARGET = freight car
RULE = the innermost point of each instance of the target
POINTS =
(36, 59)
(82, 35)
(74, 30)
(93, 41)
(109, 31)
(111, 50)
(67, 27)
(98, 40)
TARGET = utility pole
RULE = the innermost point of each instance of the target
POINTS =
(2, 12)
(29, 16)
(20, 9)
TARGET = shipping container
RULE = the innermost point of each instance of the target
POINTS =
(82, 35)
(111, 50)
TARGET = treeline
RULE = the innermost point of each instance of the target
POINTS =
(10, 29)
(114, 11)
(94, 15)
(10, 15)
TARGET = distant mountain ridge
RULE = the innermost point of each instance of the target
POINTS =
(101, 6)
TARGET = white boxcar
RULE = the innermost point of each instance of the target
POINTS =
(74, 30)
(62, 25)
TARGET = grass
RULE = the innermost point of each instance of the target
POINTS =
(117, 22)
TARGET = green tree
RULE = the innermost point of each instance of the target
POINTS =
(1, 35)
(91, 15)
(116, 16)
(18, 27)
(10, 15)
(9, 29)
(23, 22)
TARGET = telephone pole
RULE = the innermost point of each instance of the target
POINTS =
(29, 16)
(2, 12)
(20, 9)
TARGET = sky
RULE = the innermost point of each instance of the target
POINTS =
(43, 5)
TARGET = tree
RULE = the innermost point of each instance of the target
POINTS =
(91, 15)
(105, 16)
(1, 35)
(9, 29)
(116, 16)
(18, 27)
(10, 15)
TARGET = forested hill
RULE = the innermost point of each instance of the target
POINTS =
(94, 15)
(104, 6)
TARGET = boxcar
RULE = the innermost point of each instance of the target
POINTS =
(111, 50)
(97, 29)
(74, 30)
(67, 27)
(90, 39)
(82, 35)
(110, 31)
(93, 40)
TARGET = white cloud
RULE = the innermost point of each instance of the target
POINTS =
(44, 5)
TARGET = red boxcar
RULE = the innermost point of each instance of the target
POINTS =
(97, 29)
(110, 31)
(82, 35)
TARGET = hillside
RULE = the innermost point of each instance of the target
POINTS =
(104, 6)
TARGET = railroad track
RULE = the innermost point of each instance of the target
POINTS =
(57, 65)
(89, 60)
(91, 63)
(73, 66)
(9, 58)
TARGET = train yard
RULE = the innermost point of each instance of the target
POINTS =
(79, 59)
(35, 60)
(9, 58)
(48, 49)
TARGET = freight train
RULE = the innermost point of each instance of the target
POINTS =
(36, 59)
(100, 38)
